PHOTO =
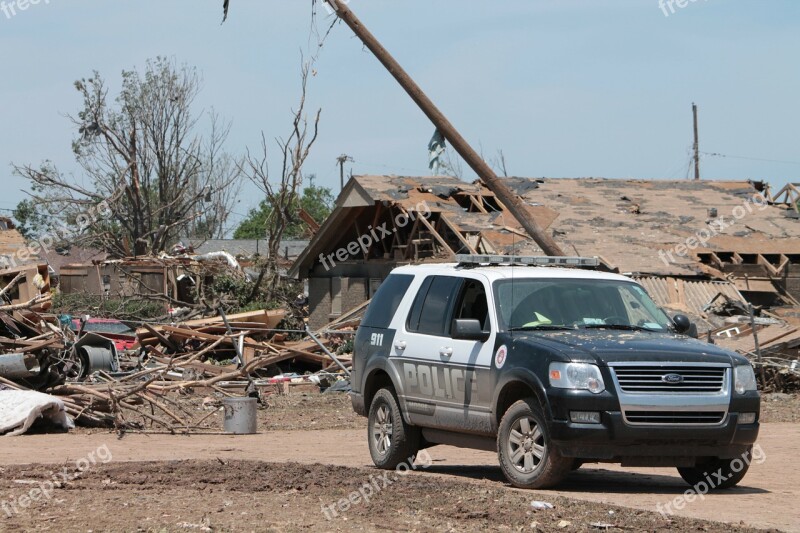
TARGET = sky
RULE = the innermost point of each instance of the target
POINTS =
(566, 88)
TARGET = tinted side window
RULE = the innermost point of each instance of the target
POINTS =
(386, 301)
(431, 310)
(473, 304)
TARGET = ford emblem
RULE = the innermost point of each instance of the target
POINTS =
(672, 378)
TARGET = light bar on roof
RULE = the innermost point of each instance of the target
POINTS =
(528, 260)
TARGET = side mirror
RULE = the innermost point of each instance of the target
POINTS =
(684, 326)
(469, 329)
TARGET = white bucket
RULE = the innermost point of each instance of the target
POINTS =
(240, 416)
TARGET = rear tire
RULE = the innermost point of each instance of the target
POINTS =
(732, 470)
(526, 454)
(391, 440)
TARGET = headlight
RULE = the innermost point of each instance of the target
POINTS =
(744, 379)
(578, 376)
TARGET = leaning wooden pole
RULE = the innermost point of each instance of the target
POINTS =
(512, 202)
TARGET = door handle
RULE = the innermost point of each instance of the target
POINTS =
(400, 346)
(446, 352)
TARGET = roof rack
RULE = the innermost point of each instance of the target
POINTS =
(505, 260)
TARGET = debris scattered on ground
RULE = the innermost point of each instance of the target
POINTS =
(170, 377)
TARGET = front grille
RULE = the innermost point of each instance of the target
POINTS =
(652, 378)
(674, 417)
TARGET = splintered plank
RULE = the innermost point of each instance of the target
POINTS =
(161, 338)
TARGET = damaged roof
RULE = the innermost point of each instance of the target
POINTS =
(633, 225)
(629, 221)
(247, 247)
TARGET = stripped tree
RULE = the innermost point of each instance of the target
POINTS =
(142, 156)
(282, 190)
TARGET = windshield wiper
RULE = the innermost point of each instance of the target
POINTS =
(542, 327)
(621, 327)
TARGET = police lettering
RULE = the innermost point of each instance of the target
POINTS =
(448, 383)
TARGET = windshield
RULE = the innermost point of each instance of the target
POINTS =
(576, 303)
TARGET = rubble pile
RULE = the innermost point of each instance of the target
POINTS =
(780, 374)
(173, 376)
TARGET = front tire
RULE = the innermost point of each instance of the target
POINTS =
(722, 473)
(527, 456)
(391, 440)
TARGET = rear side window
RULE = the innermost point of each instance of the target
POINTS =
(386, 301)
(430, 312)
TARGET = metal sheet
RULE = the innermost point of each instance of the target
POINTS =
(19, 366)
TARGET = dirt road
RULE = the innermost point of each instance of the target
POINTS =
(767, 499)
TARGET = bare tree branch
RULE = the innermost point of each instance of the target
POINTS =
(282, 193)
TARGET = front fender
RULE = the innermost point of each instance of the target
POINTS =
(527, 378)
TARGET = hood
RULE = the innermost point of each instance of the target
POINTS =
(604, 346)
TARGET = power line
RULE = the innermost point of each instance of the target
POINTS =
(717, 154)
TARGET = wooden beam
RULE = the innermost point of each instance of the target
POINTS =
(436, 235)
(414, 229)
(482, 240)
(769, 267)
(306, 217)
(478, 204)
(161, 338)
(457, 232)
(374, 225)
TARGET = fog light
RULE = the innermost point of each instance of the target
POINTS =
(747, 418)
(585, 417)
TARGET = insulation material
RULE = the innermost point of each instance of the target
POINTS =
(20, 409)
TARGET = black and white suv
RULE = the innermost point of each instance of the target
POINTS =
(550, 367)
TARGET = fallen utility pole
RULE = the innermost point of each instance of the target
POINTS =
(460, 145)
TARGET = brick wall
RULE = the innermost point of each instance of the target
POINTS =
(353, 294)
(319, 302)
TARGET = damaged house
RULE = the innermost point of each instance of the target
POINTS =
(695, 245)
(25, 280)
(176, 281)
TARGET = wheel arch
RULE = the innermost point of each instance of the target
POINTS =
(377, 379)
(515, 386)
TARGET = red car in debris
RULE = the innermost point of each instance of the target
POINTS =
(124, 336)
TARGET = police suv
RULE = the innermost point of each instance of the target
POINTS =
(551, 364)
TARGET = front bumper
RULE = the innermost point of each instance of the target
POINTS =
(616, 440)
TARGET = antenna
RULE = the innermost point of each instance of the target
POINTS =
(696, 146)
(513, 292)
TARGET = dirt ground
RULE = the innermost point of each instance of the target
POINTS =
(258, 496)
(312, 453)
(780, 408)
